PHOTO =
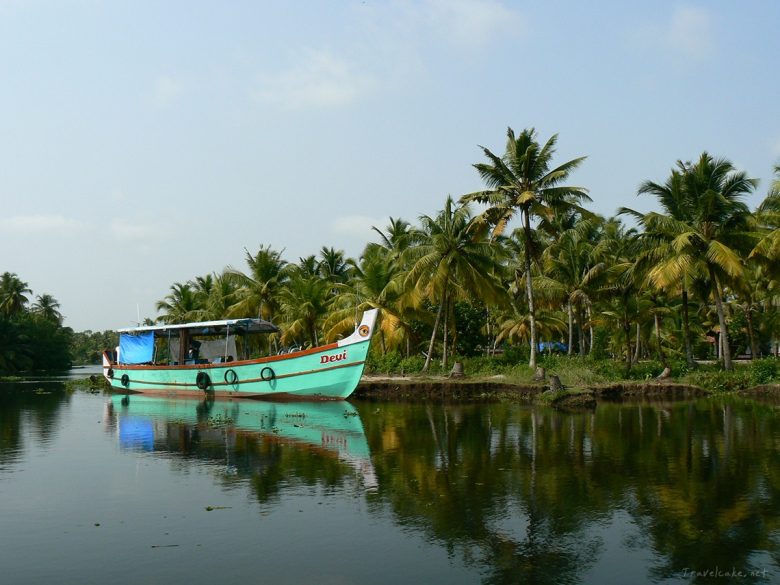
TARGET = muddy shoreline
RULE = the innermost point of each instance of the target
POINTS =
(459, 390)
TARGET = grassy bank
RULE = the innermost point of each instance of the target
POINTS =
(577, 372)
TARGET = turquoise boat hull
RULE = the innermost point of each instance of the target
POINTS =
(327, 372)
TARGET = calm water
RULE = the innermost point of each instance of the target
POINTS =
(152, 491)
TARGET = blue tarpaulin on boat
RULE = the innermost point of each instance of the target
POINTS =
(136, 349)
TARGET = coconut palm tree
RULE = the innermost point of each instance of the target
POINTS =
(257, 293)
(452, 260)
(712, 233)
(13, 294)
(180, 305)
(523, 181)
(333, 265)
(659, 248)
(571, 275)
(375, 283)
(47, 307)
(303, 305)
(768, 219)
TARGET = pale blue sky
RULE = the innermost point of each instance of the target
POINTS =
(143, 143)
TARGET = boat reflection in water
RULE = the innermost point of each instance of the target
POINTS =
(193, 427)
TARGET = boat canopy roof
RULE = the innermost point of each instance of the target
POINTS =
(208, 327)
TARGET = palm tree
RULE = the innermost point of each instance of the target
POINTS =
(13, 294)
(620, 284)
(180, 305)
(333, 265)
(710, 233)
(659, 248)
(523, 181)
(768, 218)
(303, 304)
(571, 275)
(258, 292)
(47, 307)
(215, 296)
(375, 283)
(452, 260)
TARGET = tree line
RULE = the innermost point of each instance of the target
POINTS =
(32, 337)
(696, 279)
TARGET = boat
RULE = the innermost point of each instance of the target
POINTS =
(199, 360)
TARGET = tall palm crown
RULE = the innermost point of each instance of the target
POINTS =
(709, 232)
(47, 307)
(180, 305)
(13, 294)
(451, 260)
(523, 181)
(258, 291)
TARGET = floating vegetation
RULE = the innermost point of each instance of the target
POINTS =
(296, 415)
(348, 413)
(219, 421)
(212, 508)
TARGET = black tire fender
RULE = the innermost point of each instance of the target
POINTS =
(267, 374)
(230, 376)
(202, 380)
(125, 379)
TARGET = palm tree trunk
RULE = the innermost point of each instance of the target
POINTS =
(433, 339)
(581, 331)
(529, 288)
(627, 331)
(590, 328)
(638, 344)
(724, 334)
(446, 332)
(687, 330)
(754, 349)
(571, 329)
(661, 357)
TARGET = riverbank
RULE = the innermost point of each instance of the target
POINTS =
(497, 388)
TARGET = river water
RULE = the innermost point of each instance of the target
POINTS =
(96, 489)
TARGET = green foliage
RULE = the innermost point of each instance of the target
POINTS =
(721, 381)
(28, 343)
(470, 320)
(764, 371)
(86, 347)
(389, 363)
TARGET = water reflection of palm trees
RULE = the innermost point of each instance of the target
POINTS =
(522, 492)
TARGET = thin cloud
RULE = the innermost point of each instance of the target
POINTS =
(318, 80)
(691, 31)
(27, 224)
(472, 22)
(356, 225)
(136, 231)
(166, 91)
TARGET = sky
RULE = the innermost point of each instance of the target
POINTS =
(145, 143)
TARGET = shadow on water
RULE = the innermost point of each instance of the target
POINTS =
(28, 408)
